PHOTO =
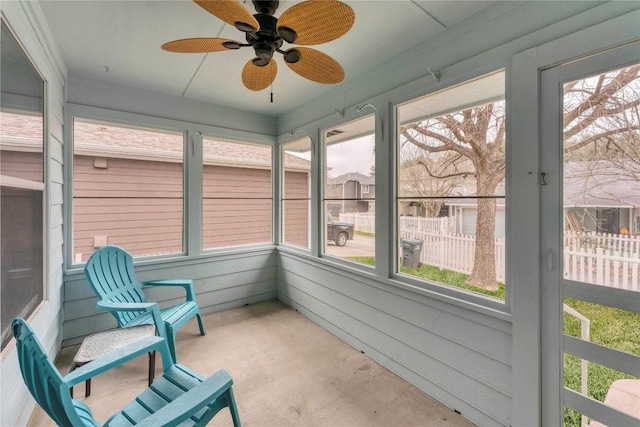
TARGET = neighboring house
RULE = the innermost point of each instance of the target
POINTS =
(465, 212)
(350, 192)
(601, 196)
(128, 187)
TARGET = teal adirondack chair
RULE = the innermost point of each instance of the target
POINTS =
(179, 397)
(111, 275)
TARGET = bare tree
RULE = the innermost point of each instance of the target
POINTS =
(474, 140)
(430, 178)
(596, 110)
(602, 136)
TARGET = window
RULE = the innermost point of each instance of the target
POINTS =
(127, 189)
(451, 187)
(237, 195)
(349, 218)
(296, 193)
(22, 185)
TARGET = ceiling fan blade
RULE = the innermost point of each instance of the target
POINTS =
(316, 22)
(258, 78)
(198, 45)
(317, 66)
(231, 12)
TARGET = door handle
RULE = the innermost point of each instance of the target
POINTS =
(550, 259)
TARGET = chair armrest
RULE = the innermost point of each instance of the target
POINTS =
(187, 284)
(191, 402)
(126, 306)
(152, 307)
(119, 357)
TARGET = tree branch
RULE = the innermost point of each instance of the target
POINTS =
(587, 141)
(447, 143)
(451, 175)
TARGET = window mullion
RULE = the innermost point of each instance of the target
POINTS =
(193, 192)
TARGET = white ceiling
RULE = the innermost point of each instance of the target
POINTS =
(119, 42)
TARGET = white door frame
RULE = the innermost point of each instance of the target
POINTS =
(527, 256)
(554, 286)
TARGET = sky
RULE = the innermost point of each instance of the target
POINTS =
(356, 155)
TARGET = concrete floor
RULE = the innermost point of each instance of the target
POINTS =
(287, 371)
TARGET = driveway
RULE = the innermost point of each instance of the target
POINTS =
(363, 246)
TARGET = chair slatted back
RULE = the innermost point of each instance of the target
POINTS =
(43, 379)
(111, 275)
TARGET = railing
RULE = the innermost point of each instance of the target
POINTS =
(585, 335)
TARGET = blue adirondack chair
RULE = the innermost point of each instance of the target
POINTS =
(179, 397)
(111, 275)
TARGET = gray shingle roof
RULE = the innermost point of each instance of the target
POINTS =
(101, 139)
(600, 184)
(352, 176)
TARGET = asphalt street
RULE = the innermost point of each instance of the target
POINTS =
(359, 246)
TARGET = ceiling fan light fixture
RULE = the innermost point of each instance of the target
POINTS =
(291, 56)
(232, 45)
(264, 49)
(261, 62)
(288, 34)
(244, 27)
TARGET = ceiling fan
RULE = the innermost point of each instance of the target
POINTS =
(308, 23)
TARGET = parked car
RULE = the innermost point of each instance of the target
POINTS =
(339, 232)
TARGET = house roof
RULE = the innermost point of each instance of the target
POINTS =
(601, 184)
(20, 132)
(352, 176)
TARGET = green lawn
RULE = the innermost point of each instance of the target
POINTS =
(435, 274)
(610, 327)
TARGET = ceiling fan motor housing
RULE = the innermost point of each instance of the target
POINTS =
(266, 40)
(266, 7)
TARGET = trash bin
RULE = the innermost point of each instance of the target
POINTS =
(411, 250)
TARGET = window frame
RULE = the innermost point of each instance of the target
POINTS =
(24, 184)
(124, 120)
(192, 175)
(483, 302)
(280, 185)
(234, 140)
(321, 224)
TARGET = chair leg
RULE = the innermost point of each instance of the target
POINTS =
(152, 367)
(73, 367)
(233, 408)
(87, 384)
(171, 341)
(202, 331)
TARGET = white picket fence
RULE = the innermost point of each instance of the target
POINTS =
(607, 242)
(612, 269)
(454, 251)
(365, 221)
(610, 260)
(602, 259)
(362, 221)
